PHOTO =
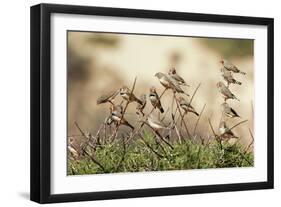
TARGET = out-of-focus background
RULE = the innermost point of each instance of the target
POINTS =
(100, 62)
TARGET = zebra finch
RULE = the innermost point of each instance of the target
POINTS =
(118, 117)
(227, 76)
(226, 93)
(173, 74)
(228, 111)
(126, 94)
(186, 106)
(231, 67)
(169, 83)
(154, 99)
(225, 132)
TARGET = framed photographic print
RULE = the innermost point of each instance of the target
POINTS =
(133, 103)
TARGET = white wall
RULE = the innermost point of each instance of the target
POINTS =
(14, 104)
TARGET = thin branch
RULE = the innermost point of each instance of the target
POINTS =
(194, 93)
(216, 136)
(190, 101)
(94, 160)
(167, 110)
(212, 128)
(159, 135)
(198, 119)
(124, 111)
(81, 131)
(176, 128)
(83, 149)
(252, 141)
(154, 151)
(233, 127)
(188, 134)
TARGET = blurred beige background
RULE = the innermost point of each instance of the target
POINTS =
(100, 62)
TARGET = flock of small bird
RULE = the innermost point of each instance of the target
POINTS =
(172, 81)
(227, 70)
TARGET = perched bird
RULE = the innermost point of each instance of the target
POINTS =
(225, 91)
(140, 107)
(186, 106)
(169, 82)
(228, 111)
(230, 67)
(108, 97)
(155, 100)
(155, 123)
(117, 116)
(126, 94)
(173, 74)
(224, 131)
(227, 76)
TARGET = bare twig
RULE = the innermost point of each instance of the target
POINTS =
(188, 134)
(194, 93)
(94, 160)
(113, 136)
(212, 128)
(146, 143)
(233, 127)
(252, 141)
(81, 131)
(215, 135)
(190, 101)
(176, 128)
(85, 151)
(159, 135)
(164, 116)
(198, 119)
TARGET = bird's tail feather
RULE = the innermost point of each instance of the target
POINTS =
(236, 98)
(195, 113)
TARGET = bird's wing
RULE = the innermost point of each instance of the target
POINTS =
(174, 84)
(227, 92)
(228, 65)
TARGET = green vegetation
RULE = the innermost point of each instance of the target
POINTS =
(146, 154)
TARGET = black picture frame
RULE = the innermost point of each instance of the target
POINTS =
(41, 99)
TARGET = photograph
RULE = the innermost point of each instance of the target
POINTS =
(156, 102)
